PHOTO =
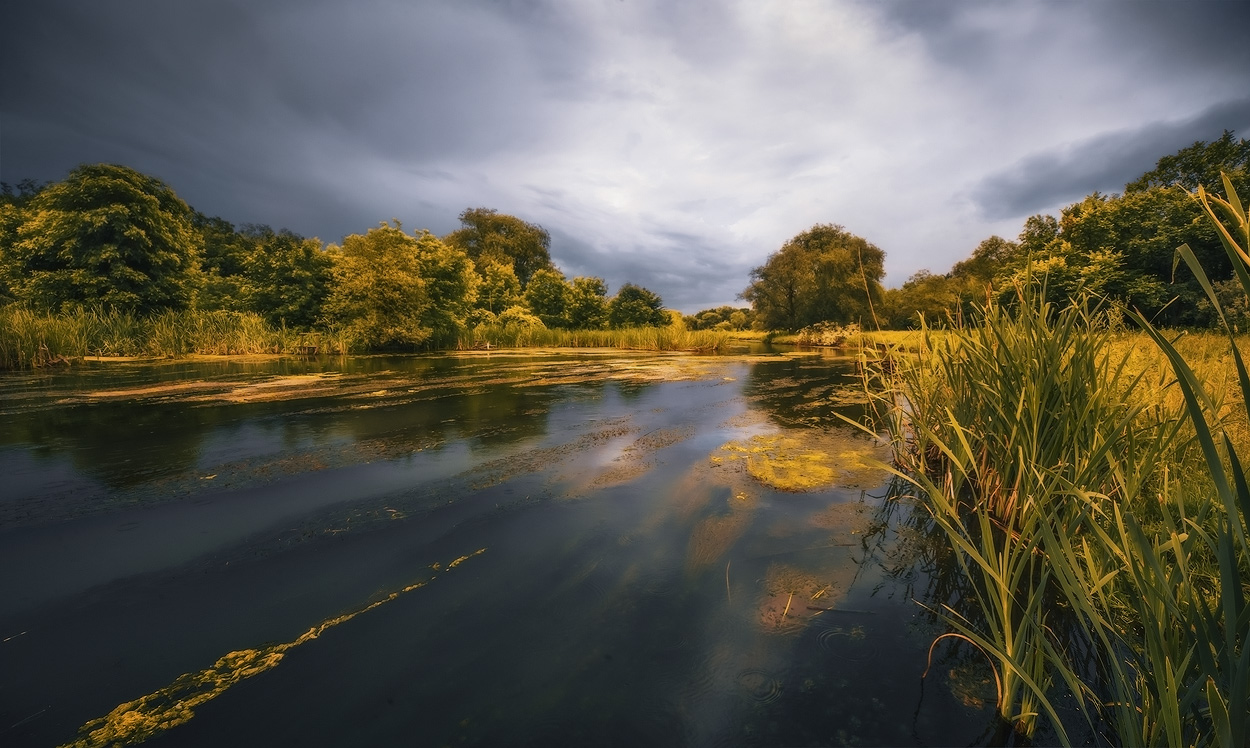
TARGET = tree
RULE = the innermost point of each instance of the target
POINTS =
(499, 287)
(1199, 164)
(107, 235)
(286, 278)
(488, 234)
(635, 306)
(587, 307)
(225, 257)
(379, 294)
(451, 286)
(547, 296)
(825, 274)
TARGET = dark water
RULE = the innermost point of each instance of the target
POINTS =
(441, 550)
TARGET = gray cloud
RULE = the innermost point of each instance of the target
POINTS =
(1104, 163)
(674, 145)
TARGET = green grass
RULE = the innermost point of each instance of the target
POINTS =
(672, 338)
(31, 339)
(1090, 490)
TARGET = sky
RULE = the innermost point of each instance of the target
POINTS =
(674, 144)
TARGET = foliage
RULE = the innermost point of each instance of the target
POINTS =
(519, 316)
(587, 307)
(825, 274)
(109, 236)
(635, 306)
(286, 278)
(721, 318)
(450, 287)
(1104, 561)
(499, 287)
(30, 339)
(225, 257)
(547, 296)
(379, 293)
(486, 234)
(629, 338)
(1200, 165)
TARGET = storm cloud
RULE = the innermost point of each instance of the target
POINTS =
(671, 144)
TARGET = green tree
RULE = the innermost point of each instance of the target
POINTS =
(499, 288)
(547, 296)
(379, 293)
(1199, 164)
(107, 235)
(587, 307)
(488, 234)
(451, 285)
(825, 274)
(635, 306)
(225, 257)
(286, 278)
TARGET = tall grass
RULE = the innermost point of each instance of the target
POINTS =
(31, 339)
(1098, 518)
(671, 338)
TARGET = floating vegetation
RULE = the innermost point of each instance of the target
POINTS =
(147, 716)
(807, 459)
(788, 592)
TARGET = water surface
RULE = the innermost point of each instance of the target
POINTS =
(501, 549)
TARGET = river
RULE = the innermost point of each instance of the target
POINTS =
(503, 548)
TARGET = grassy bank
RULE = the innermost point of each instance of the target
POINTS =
(1089, 488)
(32, 339)
(631, 338)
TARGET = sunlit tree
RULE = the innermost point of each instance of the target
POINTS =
(587, 307)
(486, 234)
(547, 296)
(107, 236)
(378, 290)
(635, 306)
(825, 274)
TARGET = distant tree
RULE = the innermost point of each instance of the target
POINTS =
(547, 296)
(720, 318)
(451, 286)
(110, 236)
(635, 306)
(988, 260)
(1199, 164)
(285, 277)
(378, 292)
(499, 288)
(824, 274)
(488, 234)
(587, 307)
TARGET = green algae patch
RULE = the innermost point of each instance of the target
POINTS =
(806, 459)
(149, 715)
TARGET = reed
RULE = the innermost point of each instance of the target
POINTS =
(672, 338)
(1092, 496)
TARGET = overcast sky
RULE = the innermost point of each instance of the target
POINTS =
(672, 143)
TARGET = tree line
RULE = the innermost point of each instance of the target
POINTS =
(1119, 247)
(112, 238)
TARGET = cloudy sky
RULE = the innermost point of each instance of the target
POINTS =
(672, 143)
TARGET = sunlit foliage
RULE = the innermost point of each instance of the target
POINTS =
(106, 236)
(825, 274)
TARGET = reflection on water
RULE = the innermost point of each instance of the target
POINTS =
(684, 551)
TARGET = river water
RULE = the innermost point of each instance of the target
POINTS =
(484, 549)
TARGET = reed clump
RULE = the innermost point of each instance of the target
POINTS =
(670, 338)
(1092, 497)
(31, 339)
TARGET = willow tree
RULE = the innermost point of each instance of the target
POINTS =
(825, 274)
